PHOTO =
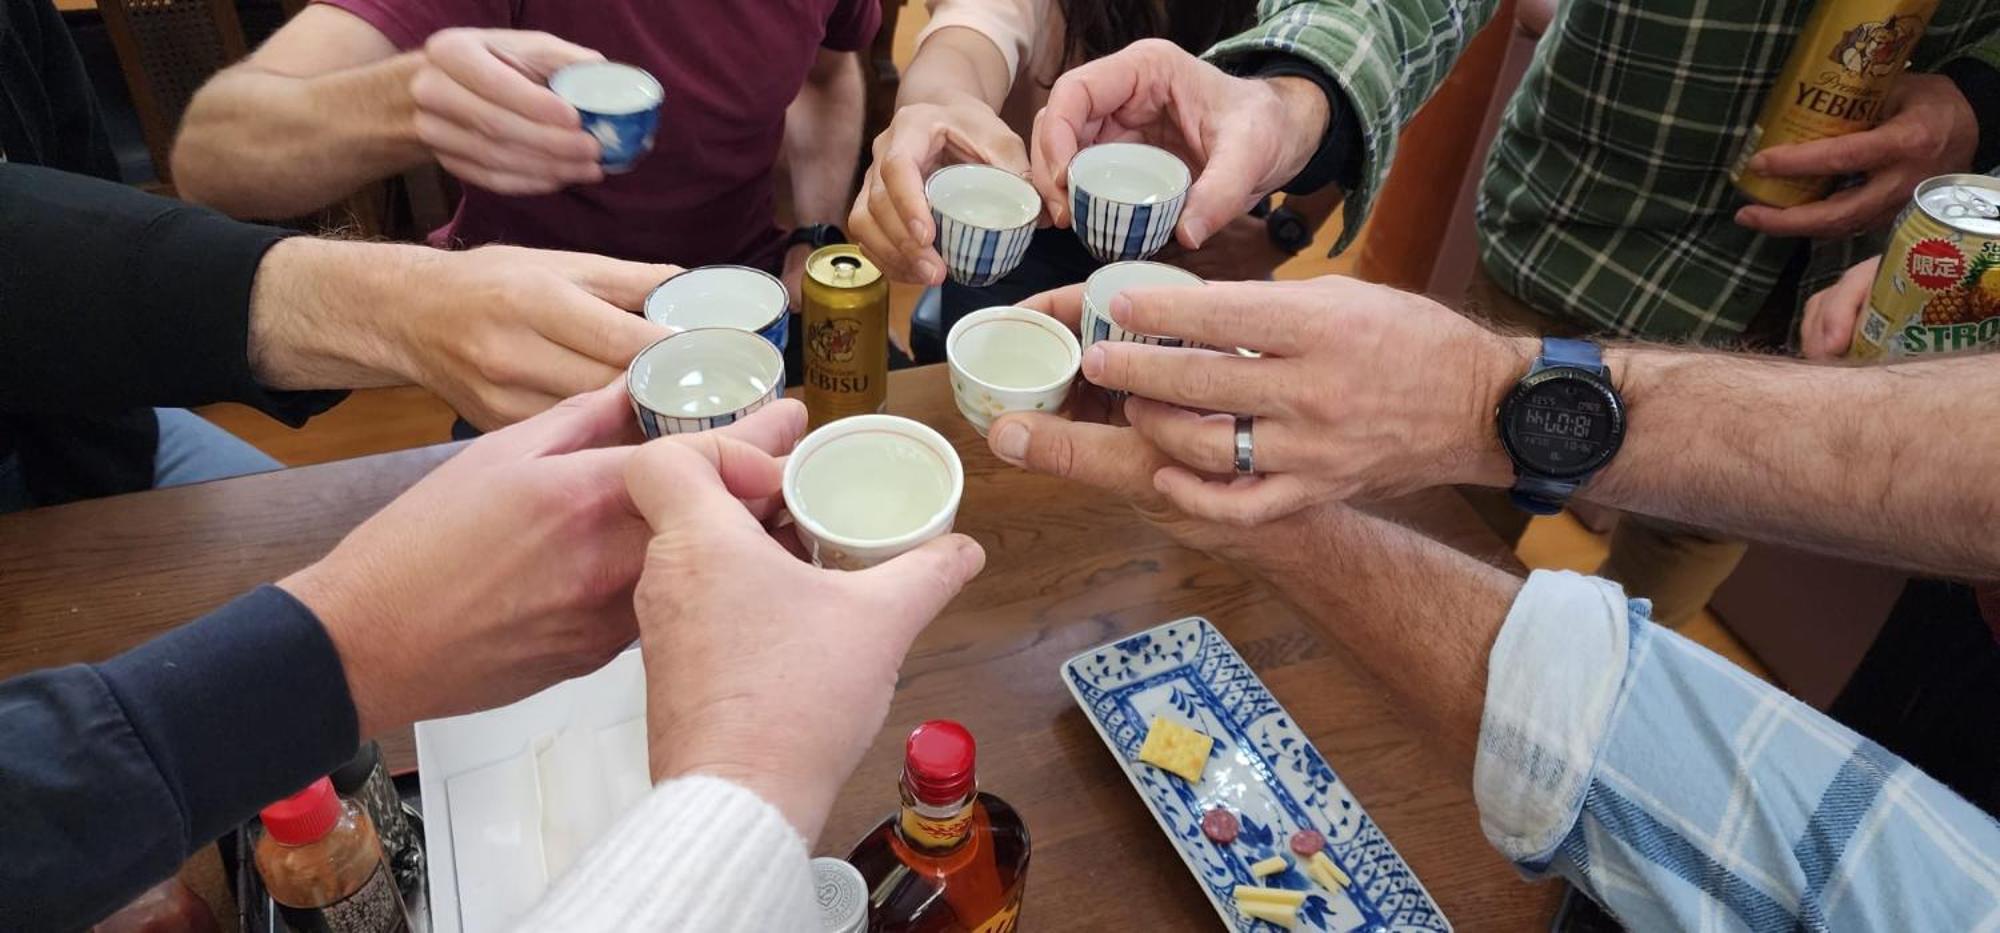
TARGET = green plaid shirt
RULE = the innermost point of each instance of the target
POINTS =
(1607, 196)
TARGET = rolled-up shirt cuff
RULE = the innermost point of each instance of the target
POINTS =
(1554, 678)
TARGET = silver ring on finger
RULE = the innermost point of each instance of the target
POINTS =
(1246, 456)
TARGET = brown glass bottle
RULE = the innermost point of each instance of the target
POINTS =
(322, 863)
(951, 859)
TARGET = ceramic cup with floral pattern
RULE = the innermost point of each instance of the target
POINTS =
(1010, 359)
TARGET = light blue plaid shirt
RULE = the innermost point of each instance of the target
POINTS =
(1682, 793)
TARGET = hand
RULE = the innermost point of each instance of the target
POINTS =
(1832, 313)
(1241, 251)
(1928, 129)
(1243, 137)
(503, 332)
(508, 568)
(485, 110)
(1342, 411)
(762, 669)
(891, 219)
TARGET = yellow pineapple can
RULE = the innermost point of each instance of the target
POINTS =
(1840, 71)
(847, 335)
(1939, 287)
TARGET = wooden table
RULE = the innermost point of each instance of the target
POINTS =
(1067, 570)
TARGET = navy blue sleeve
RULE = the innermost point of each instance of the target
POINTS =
(112, 774)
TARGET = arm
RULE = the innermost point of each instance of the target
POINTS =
(1386, 57)
(318, 111)
(823, 138)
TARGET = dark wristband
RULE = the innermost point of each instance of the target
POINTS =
(1339, 158)
(1980, 83)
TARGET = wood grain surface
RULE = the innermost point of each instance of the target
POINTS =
(1067, 570)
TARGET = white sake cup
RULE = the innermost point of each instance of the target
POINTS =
(1105, 284)
(869, 487)
(723, 296)
(985, 217)
(702, 378)
(1125, 198)
(1010, 359)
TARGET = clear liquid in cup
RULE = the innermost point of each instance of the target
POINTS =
(1012, 354)
(980, 207)
(1125, 182)
(873, 485)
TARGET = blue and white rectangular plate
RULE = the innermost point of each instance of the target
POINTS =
(1261, 768)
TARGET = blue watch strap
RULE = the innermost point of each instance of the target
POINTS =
(1577, 354)
(1541, 495)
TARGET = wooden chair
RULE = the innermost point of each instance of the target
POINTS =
(167, 49)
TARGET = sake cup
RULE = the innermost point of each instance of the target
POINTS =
(867, 488)
(1125, 199)
(1105, 284)
(703, 378)
(985, 217)
(737, 297)
(618, 104)
(1010, 359)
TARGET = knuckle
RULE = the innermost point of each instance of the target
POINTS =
(1054, 453)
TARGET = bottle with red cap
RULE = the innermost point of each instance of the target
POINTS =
(322, 863)
(952, 859)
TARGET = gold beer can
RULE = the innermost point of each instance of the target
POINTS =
(1841, 69)
(847, 335)
(1938, 290)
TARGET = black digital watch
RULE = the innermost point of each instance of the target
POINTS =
(815, 236)
(1561, 424)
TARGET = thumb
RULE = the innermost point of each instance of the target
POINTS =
(920, 582)
(539, 55)
(622, 283)
(598, 418)
(694, 484)
(1226, 189)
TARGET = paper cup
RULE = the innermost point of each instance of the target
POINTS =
(737, 297)
(1010, 359)
(985, 217)
(867, 488)
(619, 104)
(1125, 199)
(701, 379)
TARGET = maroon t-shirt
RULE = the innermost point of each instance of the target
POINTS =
(728, 68)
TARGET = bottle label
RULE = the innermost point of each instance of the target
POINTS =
(375, 908)
(936, 832)
(1002, 922)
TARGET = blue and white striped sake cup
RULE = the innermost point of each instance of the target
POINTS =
(701, 379)
(1105, 284)
(723, 296)
(1125, 199)
(619, 104)
(985, 217)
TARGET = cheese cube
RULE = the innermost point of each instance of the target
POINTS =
(1332, 871)
(1176, 748)
(1269, 866)
(1247, 894)
(1283, 916)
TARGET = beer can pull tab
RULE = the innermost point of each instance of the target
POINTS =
(844, 268)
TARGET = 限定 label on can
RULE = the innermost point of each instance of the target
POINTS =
(1939, 287)
(1841, 67)
(846, 319)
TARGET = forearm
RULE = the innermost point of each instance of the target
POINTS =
(952, 64)
(112, 774)
(331, 313)
(256, 143)
(823, 142)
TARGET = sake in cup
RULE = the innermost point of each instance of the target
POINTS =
(869, 487)
(1105, 284)
(1125, 199)
(985, 217)
(618, 104)
(737, 297)
(703, 378)
(1010, 359)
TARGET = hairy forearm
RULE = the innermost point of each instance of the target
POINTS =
(823, 143)
(256, 143)
(954, 63)
(1887, 464)
(1417, 614)
(327, 313)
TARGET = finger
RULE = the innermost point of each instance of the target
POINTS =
(919, 583)
(1207, 443)
(1834, 155)
(445, 138)
(904, 183)
(1116, 460)
(1191, 378)
(1054, 143)
(509, 72)
(687, 484)
(440, 94)
(507, 183)
(1225, 190)
(593, 328)
(1243, 502)
(598, 418)
(1064, 304)
(889, 223)
(622, 283)
(1847, 212)
(874, 243)
(1264, 316)
(774, 429)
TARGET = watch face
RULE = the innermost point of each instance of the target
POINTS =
(1562, 423)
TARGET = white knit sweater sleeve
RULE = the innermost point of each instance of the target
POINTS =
(698, 853)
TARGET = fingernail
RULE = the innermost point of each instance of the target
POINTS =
(1093, 362)
(1120, 307)
(1010, 443)
(1197, 231)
